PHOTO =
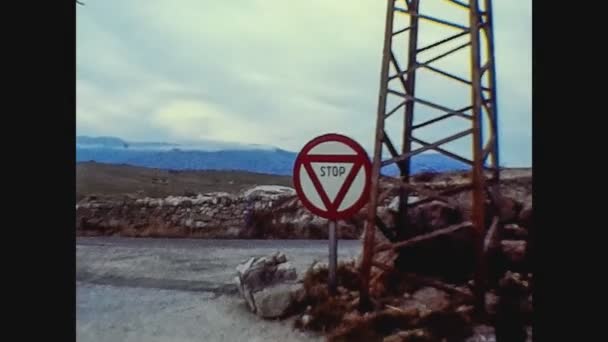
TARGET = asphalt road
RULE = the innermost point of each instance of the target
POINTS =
(179, 289)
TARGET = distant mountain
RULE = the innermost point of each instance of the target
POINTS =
(212, 155)
(433, 162)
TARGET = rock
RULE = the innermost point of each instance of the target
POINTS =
(527, 306)
(232, 232)
(409, 335)
(285, 271)
(113, 223)
(525, 217)
(491, 303)
(511, 315)
(514, 232)
(274, 302)
(318, 221)
(394, 204)
(318, 266)
(280, 257)
(250, 301)
(426, 301)
(299, 293)
(306, 320)
(173, 201)
(242, 268)
(508, 209)
(268, 285)
(432, 298)
(239, 285)
(434, 215)
(482, 333)
(514, 250)
(466, 311)
(245, 294)
(268, 191)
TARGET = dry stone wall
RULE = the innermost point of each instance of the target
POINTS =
(263, 212)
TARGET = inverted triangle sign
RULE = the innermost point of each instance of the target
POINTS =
(331, 176)
(338, 164)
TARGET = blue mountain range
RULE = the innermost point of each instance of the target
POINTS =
(213, 155)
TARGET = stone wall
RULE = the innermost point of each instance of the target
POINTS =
(264, 212)
(254, 214)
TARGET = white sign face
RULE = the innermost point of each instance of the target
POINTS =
(331, 176)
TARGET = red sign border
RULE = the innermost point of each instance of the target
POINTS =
(364, 161)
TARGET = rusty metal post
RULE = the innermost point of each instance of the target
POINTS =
(370, 226)
(489, 33)
(478, 216)
(410, 88)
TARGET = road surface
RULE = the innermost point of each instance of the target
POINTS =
(136, 289)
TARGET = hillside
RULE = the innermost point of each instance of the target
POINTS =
(114, 180)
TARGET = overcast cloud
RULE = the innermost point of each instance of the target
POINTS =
(276, 72)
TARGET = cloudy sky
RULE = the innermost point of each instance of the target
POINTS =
(278, 72)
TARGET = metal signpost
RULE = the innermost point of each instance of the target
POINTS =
(332, 179)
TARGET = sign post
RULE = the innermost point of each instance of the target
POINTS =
(332, 179)
(333, 258)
